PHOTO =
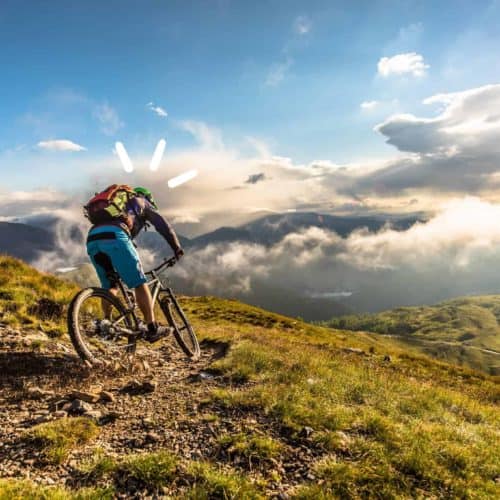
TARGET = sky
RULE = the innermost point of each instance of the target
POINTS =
(332, 106)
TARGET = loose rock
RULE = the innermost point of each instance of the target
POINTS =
(38, 393)
(88, 397)
(79, 407)
(107, 397)
(136, 387)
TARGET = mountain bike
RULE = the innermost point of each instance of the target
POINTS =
(103, 327)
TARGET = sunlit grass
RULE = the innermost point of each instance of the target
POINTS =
(15, 489)
(57, 438)
(407, 427)
(20, 289)
(383, 419)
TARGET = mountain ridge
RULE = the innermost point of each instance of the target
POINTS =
(464, 330)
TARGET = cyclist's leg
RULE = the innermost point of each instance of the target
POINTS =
(127, 263)
(95, 253)
(145, 303)
(104, 267)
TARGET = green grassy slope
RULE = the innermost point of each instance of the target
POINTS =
(22, 287)
(378, 422)
(464, 331)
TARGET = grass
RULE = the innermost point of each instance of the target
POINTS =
(58, 438)
(254, 448)
(98, 465)
(456, 330)
(152, 470)
(212, 482)
(386, 421)
(155, 470)
(21, 287)
(14, 489)
(410, 426)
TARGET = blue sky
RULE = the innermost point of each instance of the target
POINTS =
(291, 74)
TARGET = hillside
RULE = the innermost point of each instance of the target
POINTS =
(24, 242)
(274, 408)
(464, 331)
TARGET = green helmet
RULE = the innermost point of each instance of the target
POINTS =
(142, 191)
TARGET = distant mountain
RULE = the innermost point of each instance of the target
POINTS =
(270, 229)
(24, 242)
(463, 331)
(267, 230)
(223, 235)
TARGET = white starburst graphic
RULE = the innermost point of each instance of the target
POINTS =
(154, 164)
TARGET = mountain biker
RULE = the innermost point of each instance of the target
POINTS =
(110, 247)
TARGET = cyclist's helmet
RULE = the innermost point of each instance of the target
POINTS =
(146, 193)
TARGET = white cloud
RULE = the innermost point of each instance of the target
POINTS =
(60, 145)
(157, 109)
(302, 25)
(461, 230)
(369, 104)
(468, 121)
(382, 107)
(18, 204)
(278, 72)
(108, 118)
(409, 63)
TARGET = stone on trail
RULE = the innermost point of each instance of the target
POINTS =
(152, 437)
(38, 393)
(107, 397)
(88, 397)
(136, 387)
(80, 407)
(109, 417)
(94, 414)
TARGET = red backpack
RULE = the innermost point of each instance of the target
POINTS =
(110, 205)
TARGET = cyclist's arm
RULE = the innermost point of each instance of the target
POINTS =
(162, 226)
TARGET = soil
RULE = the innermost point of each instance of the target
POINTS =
(161, 400)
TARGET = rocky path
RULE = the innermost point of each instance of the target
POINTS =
(161, 401)
(143, 406)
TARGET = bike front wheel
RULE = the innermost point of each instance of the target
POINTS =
(183, 331)
(99, 326)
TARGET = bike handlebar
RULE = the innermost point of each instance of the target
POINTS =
(166, 263)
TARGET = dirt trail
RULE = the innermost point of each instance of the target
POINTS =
(175, 413)
(35, 384)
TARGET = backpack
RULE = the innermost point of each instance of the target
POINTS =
(110, 205)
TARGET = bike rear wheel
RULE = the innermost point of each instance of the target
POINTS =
(98, 337)
(183, 331)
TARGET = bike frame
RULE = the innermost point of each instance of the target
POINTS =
(155, 285)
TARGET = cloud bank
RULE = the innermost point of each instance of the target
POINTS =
(371, 271)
